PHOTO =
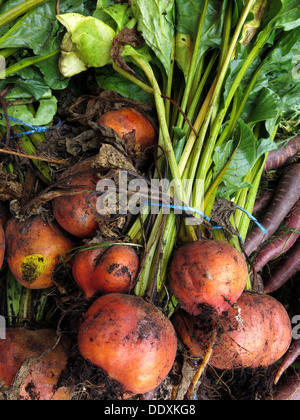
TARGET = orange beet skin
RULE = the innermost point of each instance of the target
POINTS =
(108, 270)
(130, 339)
(72, 212)
(125, 120)
(207, 274)
(34, 250)
(43, 376)
(255, 332)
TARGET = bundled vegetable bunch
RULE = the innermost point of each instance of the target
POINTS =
(185, 100)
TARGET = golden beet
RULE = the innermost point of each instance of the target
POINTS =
(256, 331)
(107, 270)
(125, 120)
(72, 212)
(207, 274)
(34, 250)
(130, 339)
(41, 382)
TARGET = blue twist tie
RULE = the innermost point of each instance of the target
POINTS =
(184, 208)
(253, 219)
(34, 128)
(191, 209)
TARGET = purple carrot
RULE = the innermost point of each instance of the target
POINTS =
(263, 201)
(289, 390)
(290, 265)
(281, 157)
(288, 359)
(282, 242)
(286, 196)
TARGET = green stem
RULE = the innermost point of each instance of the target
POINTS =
(152, 242)
(193, 65)
(131, 24)
(7, 52)
(168, 90)
(11, 168)
(160, 108)
(197, 80)
(26, 63)
(201, 169)
(257, 174)
(241, 197)
(43, 168)
(168, 245)
(206, 157)
(19, 10)
(13, 295)
(25, 305)
(224, 52)
(197, 95)
(37, 139)
(211, 193)
(226, 35)
(40, 310)
(133, 79)
(235, 114)
(192, 143)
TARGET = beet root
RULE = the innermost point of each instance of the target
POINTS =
(40, 382)
(72, 212)
(207, 275)
(130, 339)
(110, 269)
(34, 250)
(255, 332)
(128, 120)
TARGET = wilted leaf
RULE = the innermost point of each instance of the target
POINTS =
(109, 157)
(251, 28)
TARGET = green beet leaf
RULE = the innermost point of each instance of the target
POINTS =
(155, 21)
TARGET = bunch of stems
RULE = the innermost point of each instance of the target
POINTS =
(204, 112)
